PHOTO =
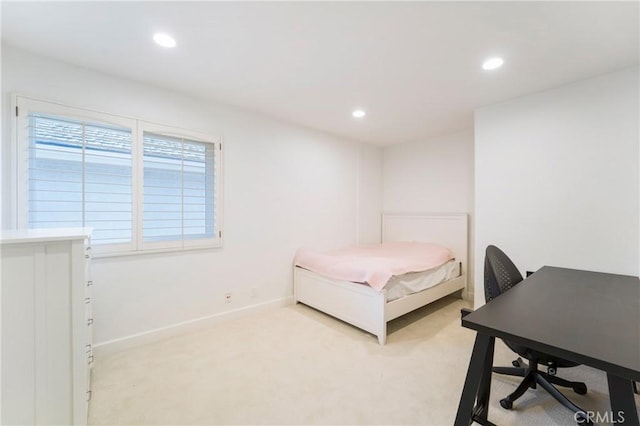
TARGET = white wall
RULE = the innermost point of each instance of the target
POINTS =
(285, 187)
(556, 177)
(431, 176)
(370, 194)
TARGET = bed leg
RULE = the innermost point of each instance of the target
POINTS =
(382, 319)
(382, 335)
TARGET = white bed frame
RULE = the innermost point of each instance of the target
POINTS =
(368, 309)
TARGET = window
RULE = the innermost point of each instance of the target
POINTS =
(180, 191)
(80, 175)
(140, 186)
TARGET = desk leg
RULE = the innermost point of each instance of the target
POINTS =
(481, 410)
(623, 404)
(478, 382)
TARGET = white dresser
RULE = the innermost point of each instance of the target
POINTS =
(46, 326)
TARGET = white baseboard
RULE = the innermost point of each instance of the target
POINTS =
(116, 345)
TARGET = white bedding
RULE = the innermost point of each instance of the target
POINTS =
(414, 282)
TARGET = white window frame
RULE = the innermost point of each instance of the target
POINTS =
(161, 129)
(22, 106)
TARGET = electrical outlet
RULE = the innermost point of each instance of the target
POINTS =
(254, 292)
(227, 297)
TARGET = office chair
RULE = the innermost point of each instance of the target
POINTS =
(500, 275)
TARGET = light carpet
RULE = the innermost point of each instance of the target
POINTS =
(297, 366)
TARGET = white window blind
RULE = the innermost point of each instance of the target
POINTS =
(179, 190)
(80, 174)
(141, 186)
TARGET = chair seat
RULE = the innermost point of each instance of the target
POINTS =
(540, 357)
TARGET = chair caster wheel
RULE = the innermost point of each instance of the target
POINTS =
(515, 363)
(580, 389)
(506, 404)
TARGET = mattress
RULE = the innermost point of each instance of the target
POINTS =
(374, 264)
(415, 282)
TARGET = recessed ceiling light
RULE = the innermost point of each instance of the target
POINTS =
(164, 40)
(358, 113)
(492, 63)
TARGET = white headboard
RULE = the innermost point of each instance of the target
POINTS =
(446, 229)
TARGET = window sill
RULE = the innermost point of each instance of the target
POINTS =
(172, 250)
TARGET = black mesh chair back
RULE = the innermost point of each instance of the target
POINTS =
(500, 274)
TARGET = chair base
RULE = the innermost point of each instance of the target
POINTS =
(532, 377)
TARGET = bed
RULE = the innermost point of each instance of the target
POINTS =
(370, 310)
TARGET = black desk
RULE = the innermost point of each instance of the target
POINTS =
(587, 317)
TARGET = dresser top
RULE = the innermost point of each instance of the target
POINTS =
(16, 236)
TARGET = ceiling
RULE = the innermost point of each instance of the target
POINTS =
(414, 67)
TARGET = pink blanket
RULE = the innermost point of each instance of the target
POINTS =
(374, 264)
